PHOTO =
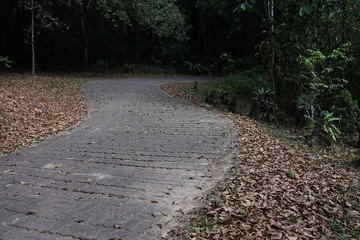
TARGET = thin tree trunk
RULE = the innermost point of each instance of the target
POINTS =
(32, 39)
(272, 64)
(269, 7)
(84, 33)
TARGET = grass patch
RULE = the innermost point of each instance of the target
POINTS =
(286, 135)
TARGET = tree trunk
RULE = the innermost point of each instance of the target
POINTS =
(32, 39)
(269, 7)
(272, 64)
(84, 33)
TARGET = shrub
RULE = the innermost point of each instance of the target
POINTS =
(263, 105)
(232, 89)
(323, 89)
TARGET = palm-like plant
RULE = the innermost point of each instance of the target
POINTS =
(329, 125)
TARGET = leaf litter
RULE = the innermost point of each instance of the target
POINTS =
(32, 108)
(273, 191)
(276, 190)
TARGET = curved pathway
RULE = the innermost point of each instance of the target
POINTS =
(136, 161)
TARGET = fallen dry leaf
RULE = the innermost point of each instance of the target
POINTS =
(277, 191)
(32, 108)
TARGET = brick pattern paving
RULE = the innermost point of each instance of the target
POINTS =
(138, 159)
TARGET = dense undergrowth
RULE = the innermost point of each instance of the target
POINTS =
(278, 187)
(328, 113)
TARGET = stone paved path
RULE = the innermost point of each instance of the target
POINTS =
(139, 158)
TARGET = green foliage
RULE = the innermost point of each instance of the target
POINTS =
(290, 174)
(215, 7)
(247, 5)
(113, 11)
(262, 93)
(161, 17)
(227, 63)
(243, 85)
(195, 68)
(323, 27)
(306, 104)
(323, 74)
(324, 129)
(323, 86)
(263, 105)
(356, 233)
(230, 90)
(329, 125)
(347, 109)
(5, 61)
(44, 18)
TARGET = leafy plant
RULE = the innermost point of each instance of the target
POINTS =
(348, 110)
(227, 62)
(161, 17)
(323, 86)
(307, 105)
(5, 61)
(322, 75)
(329, 126)
(293, 219)
(263, 107)
(335, 225)
(324, 130)
(233, 89)
(290, 174)
(195, 68)
(261, 93)
(356, 233)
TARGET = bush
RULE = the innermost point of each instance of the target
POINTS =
(263, 106)
(324, 90)
(229, 91)
(324, 129)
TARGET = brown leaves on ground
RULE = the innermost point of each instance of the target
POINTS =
(278, 191)
(35, 107)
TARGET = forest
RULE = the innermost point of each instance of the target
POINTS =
(296, 60)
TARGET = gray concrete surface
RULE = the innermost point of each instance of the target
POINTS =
(136, 161)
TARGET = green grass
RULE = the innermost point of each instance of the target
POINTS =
(293, 219)
(290, 174)
(355, 233)
(283, 134)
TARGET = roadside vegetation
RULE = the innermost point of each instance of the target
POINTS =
(279, 187)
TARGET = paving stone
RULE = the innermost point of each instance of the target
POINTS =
(119, 172)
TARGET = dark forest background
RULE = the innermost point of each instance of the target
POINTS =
(122, 32)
